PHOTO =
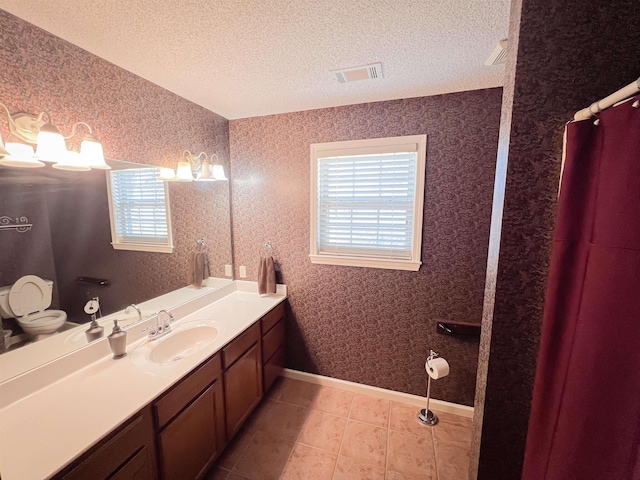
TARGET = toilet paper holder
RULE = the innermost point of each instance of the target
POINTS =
(426, 416)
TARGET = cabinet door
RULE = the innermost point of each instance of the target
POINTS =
(190, 442)
(242, 388)
(137, 468)
(273, 368)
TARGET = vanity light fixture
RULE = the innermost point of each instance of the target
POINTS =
(194, 167)
(50, 144)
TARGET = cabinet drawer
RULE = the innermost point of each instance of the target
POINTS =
(241, 344)
(182, 394)
(272, 340)
(116, 451)
(273, 368)
(271, 318)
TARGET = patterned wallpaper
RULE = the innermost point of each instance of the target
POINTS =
(564, 62)
(375, 326)
(136, 121)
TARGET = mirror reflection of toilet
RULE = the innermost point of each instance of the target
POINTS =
(27, 301)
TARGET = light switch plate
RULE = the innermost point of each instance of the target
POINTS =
(243, 271)
(228, 271)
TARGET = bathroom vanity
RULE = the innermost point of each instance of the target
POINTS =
(140, 418)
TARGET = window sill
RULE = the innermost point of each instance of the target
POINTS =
(367, 262)
(140, 247)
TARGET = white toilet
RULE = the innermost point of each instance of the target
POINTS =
(27, 301)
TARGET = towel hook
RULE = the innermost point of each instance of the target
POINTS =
(268, 249)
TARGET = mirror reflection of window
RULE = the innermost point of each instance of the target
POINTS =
(139, 210)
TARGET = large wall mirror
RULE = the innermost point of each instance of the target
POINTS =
(66, 239)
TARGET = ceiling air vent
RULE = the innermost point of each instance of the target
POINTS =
(366, 72)
(499, 54)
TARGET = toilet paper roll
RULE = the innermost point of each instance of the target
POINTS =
(437, 368)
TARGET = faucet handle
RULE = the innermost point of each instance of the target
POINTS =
(151, 329)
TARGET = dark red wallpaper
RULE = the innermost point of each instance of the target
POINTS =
(136, 121)
(375, 326)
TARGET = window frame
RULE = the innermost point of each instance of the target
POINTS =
(412, 264)
(140, 247)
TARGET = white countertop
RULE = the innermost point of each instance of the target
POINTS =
(27, 357)
(44, 431)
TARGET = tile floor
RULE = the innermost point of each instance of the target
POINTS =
(305, 431)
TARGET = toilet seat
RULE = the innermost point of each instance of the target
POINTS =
(29, 299)
(29, 294)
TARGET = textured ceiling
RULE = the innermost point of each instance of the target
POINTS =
(243, 58)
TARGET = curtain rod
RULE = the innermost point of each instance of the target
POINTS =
(609, 101)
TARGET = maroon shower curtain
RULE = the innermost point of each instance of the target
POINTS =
(585, 416)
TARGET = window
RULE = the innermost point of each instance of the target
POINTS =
(139, 210)
(366, 202)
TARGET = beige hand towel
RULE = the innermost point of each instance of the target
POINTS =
(199, 268)
(266, 276)
(262, 276)
(271, 276)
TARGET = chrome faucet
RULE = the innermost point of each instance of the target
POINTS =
(160, 328)
(136, 308)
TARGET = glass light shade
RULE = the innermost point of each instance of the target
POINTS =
(184, 172)
(20, 155)
(51, 146)
(92, 153)
(72, 161)
(218, 172)
(206, 172)
(167, 175)
(3, 150)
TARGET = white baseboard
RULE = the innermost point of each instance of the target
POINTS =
(418, 401)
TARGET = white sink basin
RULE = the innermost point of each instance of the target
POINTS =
(183, 341)
(178, 345)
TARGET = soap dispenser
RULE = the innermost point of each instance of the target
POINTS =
(118, 341)
(95, 330)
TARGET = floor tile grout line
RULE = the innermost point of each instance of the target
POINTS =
(297, 437)
(344, 432)
(386, 453)
(386, 457)
(240, 455)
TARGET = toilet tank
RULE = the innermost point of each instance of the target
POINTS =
(5, 309)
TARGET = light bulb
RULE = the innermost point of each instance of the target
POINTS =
(92, 153)
(206, 172)
(184, 173)
(51, 146)
(218, 172)
(167, 175)
(20, 155)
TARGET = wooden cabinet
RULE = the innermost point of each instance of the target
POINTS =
(273, 354)
(189, 443)
(190, 423)
(127, 453)
(188, 426)
(242, 378)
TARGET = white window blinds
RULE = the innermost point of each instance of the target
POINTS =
(139, 208)
(366, 201)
